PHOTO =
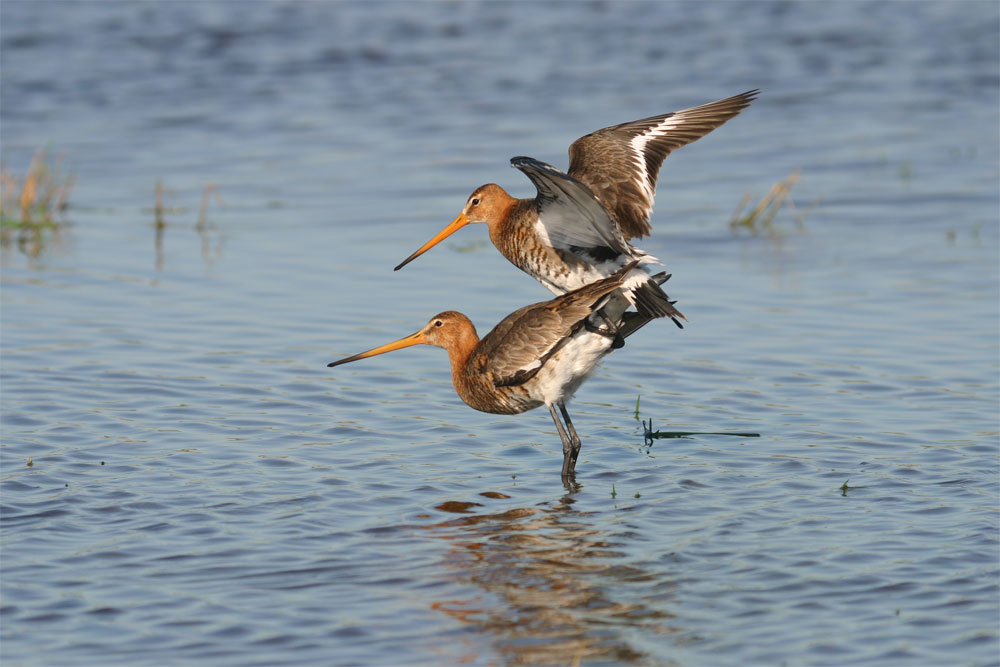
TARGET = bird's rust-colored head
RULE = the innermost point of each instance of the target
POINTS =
(449, 330)
(489, 204)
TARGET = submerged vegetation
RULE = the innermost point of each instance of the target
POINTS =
(39, 198)
(649, 435)
(760, 218)
(203, 226)
(31, 207)
(159, 209)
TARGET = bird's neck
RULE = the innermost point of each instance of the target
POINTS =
(460, 349)
(519, 242)
(511, 227)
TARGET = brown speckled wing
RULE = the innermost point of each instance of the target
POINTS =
(621, 163)
(537, 334)
(524, 340)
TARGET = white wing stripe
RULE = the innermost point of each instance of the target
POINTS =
(640, 141)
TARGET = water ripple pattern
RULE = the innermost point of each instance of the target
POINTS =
(184, 481)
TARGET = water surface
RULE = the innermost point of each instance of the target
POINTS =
(203, 490)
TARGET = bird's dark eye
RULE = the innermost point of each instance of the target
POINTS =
(438, 323)
(475, 201)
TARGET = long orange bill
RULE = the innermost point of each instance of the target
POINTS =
(414, 339)
(456, 224)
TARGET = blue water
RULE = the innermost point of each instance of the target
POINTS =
(203, 490)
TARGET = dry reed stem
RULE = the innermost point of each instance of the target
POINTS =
(761, 217)
(39, 197)
(210, 189)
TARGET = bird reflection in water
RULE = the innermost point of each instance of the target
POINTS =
(565, 595)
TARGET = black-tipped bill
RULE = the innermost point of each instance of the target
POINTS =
(413, 339)
(456, 224)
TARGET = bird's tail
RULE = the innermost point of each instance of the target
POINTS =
(650, 300)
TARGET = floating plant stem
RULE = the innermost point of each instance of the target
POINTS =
(760, 218)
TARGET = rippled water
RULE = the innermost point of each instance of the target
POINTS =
(203, 490)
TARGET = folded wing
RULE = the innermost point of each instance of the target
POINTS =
(525, 340)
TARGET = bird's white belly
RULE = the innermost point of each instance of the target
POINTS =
(563, 374)
(560, 277)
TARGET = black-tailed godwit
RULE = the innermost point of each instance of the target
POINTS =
(577, 229)
(537, 355)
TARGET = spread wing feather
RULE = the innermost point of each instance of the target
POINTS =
(569, 211)
(620, 164)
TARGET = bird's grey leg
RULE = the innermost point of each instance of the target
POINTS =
(612, 329)
(632, 322)
(568, 460)
(574, 438)
(609, 329)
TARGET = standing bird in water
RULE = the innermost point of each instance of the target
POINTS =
(537, 355)
(577, 229)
